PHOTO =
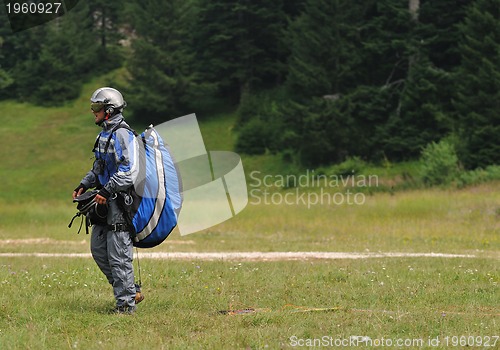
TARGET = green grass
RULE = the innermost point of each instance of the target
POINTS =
(63, 303)
(45, 151)
(433, 220)
(52, 303)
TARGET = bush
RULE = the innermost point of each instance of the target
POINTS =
(262, 104)
(260, 123)
(476, 176)
(254, 137)
(439, 163)
(351, 166)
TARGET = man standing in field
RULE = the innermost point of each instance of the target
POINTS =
(114, 171)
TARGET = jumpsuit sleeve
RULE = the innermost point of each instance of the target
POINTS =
(126, 157)
(90, 180)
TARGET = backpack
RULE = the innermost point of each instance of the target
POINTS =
(152, 205)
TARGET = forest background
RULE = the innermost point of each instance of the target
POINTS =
(318, 81)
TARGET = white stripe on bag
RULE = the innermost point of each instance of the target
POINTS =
(162, 195)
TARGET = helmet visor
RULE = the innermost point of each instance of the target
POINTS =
(97, 106)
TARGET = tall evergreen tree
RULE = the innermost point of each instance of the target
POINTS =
(423, 113)
(5, 79)
(324, 53)
(107, 16)
(326, 133)
(478, 81)
(387, 44)
(324, 42)
(426, 110)
(162, 81)
(48, 63)
(55, 73)
(239, 44)
(358, 55)
(438, 31)
(20, 51)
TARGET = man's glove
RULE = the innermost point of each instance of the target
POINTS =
(81, 186)
(79, 190)
(104, 193)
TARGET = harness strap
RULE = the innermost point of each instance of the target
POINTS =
(79, 214)
(87, 224)
(73, 219)
(119, 126)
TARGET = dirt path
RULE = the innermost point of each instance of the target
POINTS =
(251, 256)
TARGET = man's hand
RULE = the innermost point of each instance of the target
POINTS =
(79, 190)
(100, 199)
(102, 196)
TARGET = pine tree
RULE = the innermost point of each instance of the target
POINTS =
(239, 44)
(162, 81)
(47, 64)
(387, 44)
(425, 112)
(324, 45)
(422, 116)
(478, 81)
(108, 20)
(63, 62)
(438, 31)
(424, 91)
(326, 135)
(18, 51)
(5, 78)
(357, 54)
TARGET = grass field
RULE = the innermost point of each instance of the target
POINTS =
(63, 302)
(465, 221)
(56, 304)
(425, 302)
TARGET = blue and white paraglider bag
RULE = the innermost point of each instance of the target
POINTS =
(156, 198)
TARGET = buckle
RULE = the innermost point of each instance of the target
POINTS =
(118, 227)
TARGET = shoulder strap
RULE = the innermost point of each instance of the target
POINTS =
(119, 126)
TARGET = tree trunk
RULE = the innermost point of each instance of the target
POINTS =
(414, 6)
(103, 28)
